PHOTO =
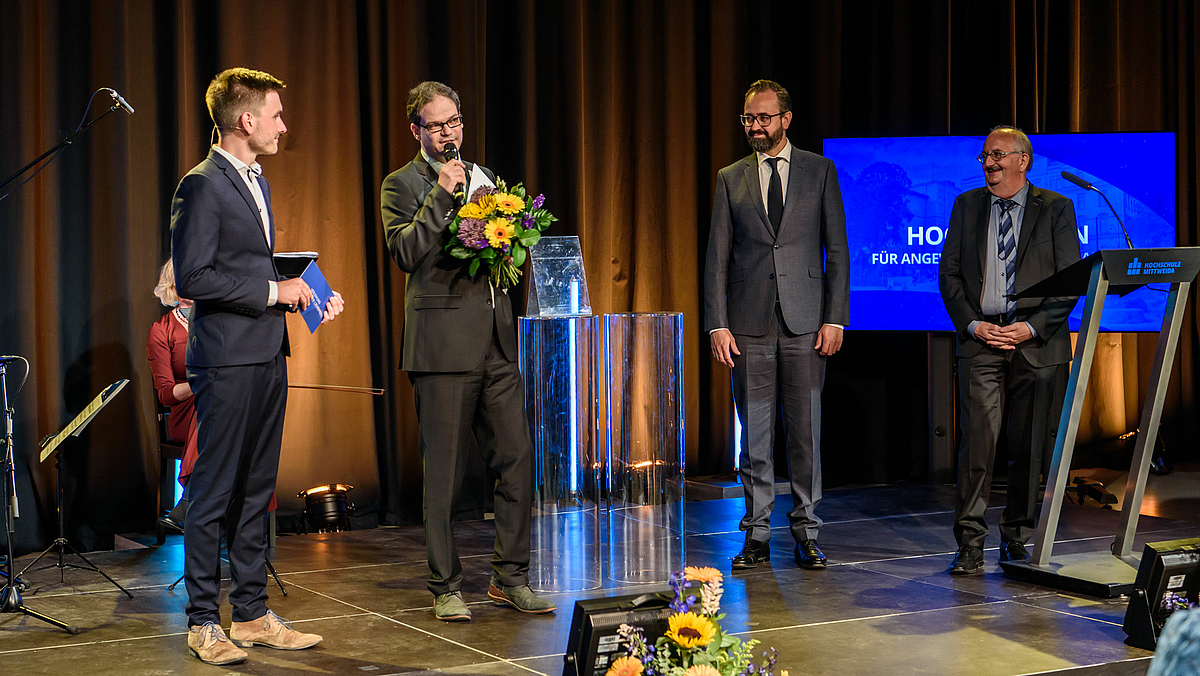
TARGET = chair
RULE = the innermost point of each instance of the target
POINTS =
(168, 452)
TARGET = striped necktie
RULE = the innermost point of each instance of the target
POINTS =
(1006, 246)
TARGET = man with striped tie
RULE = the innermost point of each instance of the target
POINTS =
(1012, 355)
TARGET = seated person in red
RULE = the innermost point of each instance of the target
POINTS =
(166, 348)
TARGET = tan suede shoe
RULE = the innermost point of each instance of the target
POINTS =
(272, 632)
(209, 643)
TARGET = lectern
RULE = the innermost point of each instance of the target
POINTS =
(1106, 574)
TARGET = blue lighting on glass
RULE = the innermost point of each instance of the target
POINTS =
(571, 367)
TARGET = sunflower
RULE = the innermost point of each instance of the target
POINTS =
(509, 204)
(470, 210)
(690, 630)
(702, 575)
(701, 670)
(499, 232)
(625, 666)
(487, 204)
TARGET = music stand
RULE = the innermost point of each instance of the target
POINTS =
(1105, 574)
(10, 595)
(49, 445)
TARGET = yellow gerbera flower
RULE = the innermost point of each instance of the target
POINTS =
(701, 670)
(625, 666)
(690, 630)
(499, 231)
(487, 204)
(471, 210)
(702, 574)
(509, 204)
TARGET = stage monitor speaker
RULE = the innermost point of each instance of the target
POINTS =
(594, 644)
(1168, 579)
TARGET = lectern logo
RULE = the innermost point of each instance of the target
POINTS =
(1138, 267)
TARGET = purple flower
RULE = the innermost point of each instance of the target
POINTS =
(539, 201)
(472, 233)
(527, 221)
(481, 191)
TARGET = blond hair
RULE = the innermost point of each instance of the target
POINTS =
(165, 289)
(237, 90)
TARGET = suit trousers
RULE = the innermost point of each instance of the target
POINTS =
(779, 370)
(489, 402)
(993, 384)
(239, 417)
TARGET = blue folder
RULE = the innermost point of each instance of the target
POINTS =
(315, 312)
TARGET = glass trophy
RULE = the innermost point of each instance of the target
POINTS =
(559, 287)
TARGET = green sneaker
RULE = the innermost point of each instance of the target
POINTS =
(522, 598)
(450, 607)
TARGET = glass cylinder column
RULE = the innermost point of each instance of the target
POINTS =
(643, 410)
(558, 363)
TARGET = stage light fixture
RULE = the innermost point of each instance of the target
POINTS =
(326, 509)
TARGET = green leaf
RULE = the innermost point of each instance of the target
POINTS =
(460, 252)
(530, 237)
(518, 254)
(488, 255)
(474, 267)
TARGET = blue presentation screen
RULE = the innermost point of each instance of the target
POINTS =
(898, 194)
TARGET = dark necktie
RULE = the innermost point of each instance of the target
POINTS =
(775, 196)
(1006, 246)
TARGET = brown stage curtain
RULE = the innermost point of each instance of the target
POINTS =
(621, 112)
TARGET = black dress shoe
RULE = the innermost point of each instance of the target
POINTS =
(753, 553)
(968, 561)
(1013, 551)
(167, 522)
(809, 556)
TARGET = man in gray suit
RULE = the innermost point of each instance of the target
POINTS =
(460, 351)
(776, 297)
(1004, 237)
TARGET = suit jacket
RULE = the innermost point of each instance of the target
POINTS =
(223, 263)
(1048, 243)
(806, 265)
(447, 315)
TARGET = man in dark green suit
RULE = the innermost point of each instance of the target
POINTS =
(460, 351)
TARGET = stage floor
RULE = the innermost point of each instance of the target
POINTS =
(884, 606)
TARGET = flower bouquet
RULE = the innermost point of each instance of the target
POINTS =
(494, 230)
(694, 644)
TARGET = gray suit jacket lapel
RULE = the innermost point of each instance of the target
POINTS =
(1033, 206)
(750, 169)
(792, 190)
(981, 229)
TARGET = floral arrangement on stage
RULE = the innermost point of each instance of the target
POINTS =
(494, 230)
(694, 644)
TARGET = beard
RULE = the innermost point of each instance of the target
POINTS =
(763, 143)
(263, 146)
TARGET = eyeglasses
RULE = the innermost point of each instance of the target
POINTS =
(435, 127)
(997, 155)
(763, 119)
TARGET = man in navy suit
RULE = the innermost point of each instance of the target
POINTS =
(223, 238)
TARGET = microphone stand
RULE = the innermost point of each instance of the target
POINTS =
(1088, 186)
(61, 144)
(10, 595)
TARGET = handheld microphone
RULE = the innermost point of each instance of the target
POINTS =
(121, 101)
(450, 152)
(1088, 186)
